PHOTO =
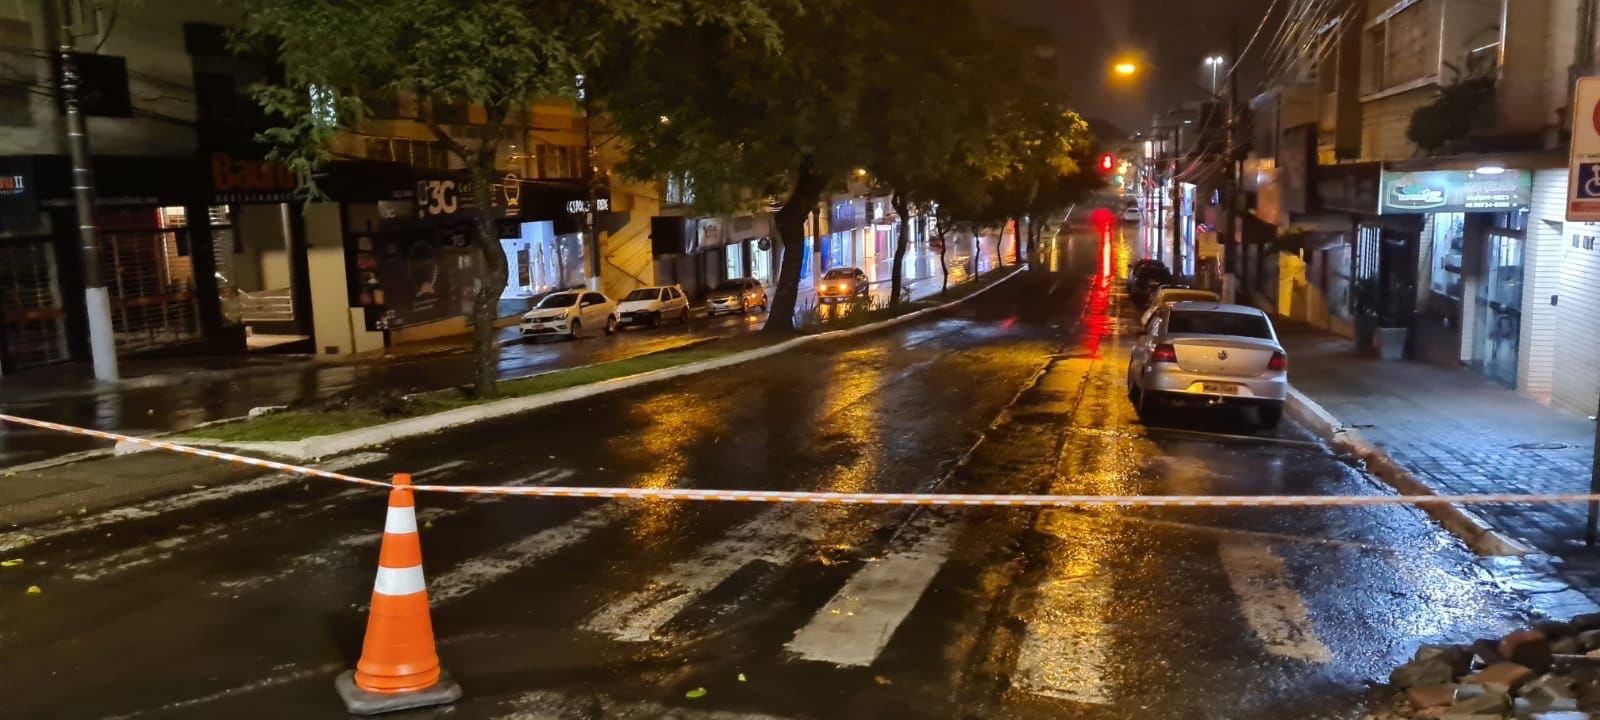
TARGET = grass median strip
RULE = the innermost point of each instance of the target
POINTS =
(301, 423)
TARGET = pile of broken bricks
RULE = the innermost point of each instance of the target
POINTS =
(1550, 672)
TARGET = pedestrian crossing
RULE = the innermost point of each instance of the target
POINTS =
(1071, 613)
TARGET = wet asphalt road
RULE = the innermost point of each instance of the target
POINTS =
(247, 604)
(140, 409)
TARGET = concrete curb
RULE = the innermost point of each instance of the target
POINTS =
(322, 446)
(1482, 538)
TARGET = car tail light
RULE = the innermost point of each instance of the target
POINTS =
(1279, 361)
(1164, 354)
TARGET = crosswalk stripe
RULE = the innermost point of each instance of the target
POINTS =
(544, 705)
(214, 531)
(479, 571)
(1275, 611)
(1065, 645)
(152, 508)
(857, 623)
(775, 536)
(324, 556)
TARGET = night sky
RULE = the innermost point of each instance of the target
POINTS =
(1174, 35)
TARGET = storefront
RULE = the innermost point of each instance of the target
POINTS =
(1471, 249)
(847, 224)
(699, 253)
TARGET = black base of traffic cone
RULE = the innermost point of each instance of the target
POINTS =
(362, 702)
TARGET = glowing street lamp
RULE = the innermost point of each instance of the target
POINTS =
(1215, 63)
(1125, 69)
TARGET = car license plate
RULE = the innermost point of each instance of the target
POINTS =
(1219, 388)
(535, 326)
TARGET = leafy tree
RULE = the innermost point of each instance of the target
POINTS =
(495, 55)
(928, 100)
(750, 126)
(1042, 142)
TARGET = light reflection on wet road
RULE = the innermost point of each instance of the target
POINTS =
(579, 609)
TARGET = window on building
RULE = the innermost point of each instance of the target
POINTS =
(678, 190)
(1402, 46)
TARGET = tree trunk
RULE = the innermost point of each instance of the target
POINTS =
(897, 275)
(486, 302)
(944, 258)
(999, 245)
(791, 227)
(1016, 240)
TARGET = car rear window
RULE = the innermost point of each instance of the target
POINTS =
(1195, 322)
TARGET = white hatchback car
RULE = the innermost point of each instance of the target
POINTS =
(651, 305)
(1209, 353)
(570, 313)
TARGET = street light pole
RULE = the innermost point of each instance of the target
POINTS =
(591, 238)
(97, 300)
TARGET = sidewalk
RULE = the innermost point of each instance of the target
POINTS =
(1460, 433)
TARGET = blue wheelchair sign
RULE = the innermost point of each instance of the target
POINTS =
(1588, 181)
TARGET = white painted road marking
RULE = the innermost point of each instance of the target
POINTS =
(1067, 639)
(152, 508)
(215, 531)
(540, 705)
(479, 571)
(858, 622)
(774, 536)
(1275, 611)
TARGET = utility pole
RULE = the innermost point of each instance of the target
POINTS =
(1231, 182)
(97, 301)
(591, 238)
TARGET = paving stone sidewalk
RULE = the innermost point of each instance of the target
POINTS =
(1461, 433)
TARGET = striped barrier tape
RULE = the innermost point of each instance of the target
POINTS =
(974, 500)
(839, 498)
(186, 450)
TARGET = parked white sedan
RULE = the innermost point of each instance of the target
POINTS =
(570, 313)
(1206, 353)
(651, 305)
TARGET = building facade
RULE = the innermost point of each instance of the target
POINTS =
(207, 247)
(1434, 227)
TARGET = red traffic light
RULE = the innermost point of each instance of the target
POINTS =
(1108, 162)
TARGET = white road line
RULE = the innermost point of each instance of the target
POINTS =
(215, 531)
(1275, 611)
(855, 626)
(540, 705)
(776, 535)
(152, 508)
(479, 571)
(327, 555)
(1065, 645)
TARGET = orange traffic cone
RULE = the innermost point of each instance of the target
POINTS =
(399, 668)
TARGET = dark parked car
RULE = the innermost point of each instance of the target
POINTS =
(1146, 277)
